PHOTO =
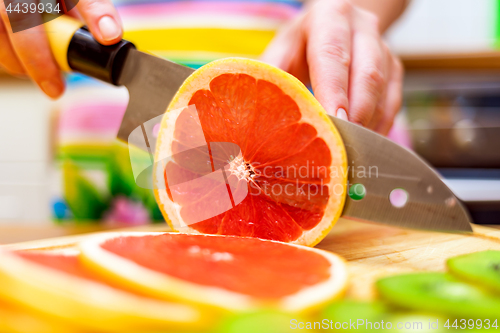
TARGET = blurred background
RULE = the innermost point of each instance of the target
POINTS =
(59, 163)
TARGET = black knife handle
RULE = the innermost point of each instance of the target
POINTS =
(87, 56)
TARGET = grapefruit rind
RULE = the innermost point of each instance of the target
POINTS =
(311, 110)
(17, 320)
(136, 277)
(85, 303)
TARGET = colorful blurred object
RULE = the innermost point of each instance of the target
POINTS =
(97, 180)
(194, 33)
(83, 199)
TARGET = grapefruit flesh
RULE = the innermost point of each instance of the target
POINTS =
(205, 255)
(64, 263)
(228, 272)
(57, 286)
(290, 163)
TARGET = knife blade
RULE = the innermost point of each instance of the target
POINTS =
(152, 82)
(382, 166)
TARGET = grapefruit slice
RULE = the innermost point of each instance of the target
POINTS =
(284, 177)
(16, 320)
(223, 272)
(58, 286)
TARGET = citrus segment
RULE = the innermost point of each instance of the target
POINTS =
(64, 263)
(231, 273)
(61, 288)
(286, 177)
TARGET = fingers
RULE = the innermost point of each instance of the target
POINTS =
(367, 84)
(329, 53)
(287, 50)
(380, 107)
(102, 20)
(394, 97)
(8, 57)
(277, 53)
(32, 49)
(28, 51)
(352, 71)
(39, 65)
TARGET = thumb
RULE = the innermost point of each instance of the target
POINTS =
(102, 20)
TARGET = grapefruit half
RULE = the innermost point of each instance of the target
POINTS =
(286, 180)
(59, 287)
(219, 272)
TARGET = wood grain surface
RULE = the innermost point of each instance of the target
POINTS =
(373, 250)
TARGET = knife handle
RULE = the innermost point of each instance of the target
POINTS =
(75, 49)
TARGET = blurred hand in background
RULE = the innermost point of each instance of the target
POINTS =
(27, 53)
(337, 47)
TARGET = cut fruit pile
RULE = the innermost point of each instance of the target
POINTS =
(244, 149)
(142, 282)
(469, 290)
(59, 286)
(173, 282)
(417, 302)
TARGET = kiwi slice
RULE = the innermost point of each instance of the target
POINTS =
(418, 322)
(373, 314)
(482, 268)
(438, 293)
(346, 310)
(355, 315)
(267, 321)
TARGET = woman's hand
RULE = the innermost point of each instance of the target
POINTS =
(337, 47)
(27, 53)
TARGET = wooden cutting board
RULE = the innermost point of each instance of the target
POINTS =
(372, 250)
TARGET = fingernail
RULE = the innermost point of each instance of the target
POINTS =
(109, 28)
(52, 89)
(341, 114)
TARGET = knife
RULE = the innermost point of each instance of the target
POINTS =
(151, 81)
(403, 190)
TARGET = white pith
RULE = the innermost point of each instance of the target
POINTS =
(241, 169)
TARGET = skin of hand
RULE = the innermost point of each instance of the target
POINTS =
(337, 47)
(27, 52)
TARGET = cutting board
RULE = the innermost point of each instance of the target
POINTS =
(371, 250)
